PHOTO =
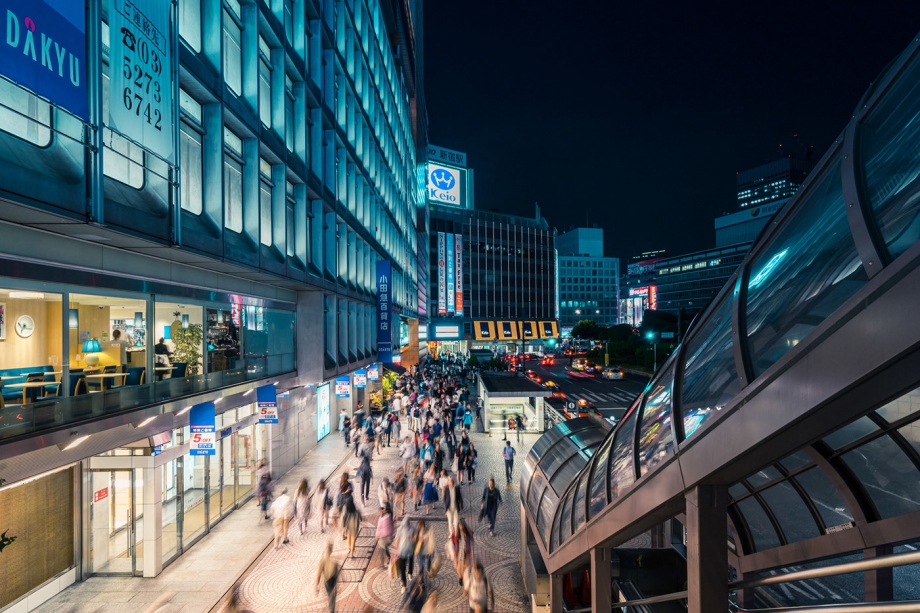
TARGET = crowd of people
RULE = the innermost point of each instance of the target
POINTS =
(437, 456)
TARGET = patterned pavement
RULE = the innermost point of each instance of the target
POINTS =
(282, 580)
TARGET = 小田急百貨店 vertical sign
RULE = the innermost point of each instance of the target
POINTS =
(140, 79)
(458, 272)
(201, 427)
(267, 399)
(442, 274)
(451, 297)
(385, 319)
(44, 50)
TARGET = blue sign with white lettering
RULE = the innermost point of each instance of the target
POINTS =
(201, 425)
(384, 313)
(267, 399)
(43, 48)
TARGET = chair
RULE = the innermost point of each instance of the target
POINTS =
(102, 384)
(78, 382)
(31, 393)
(178, 370)
(135, 375)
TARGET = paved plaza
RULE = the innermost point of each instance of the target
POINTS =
(238, 551)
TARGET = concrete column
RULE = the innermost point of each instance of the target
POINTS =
(555, 593)
(153, 521)
(707, 548)
(601, 580)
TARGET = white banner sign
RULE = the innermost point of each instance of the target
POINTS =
(442, 274)
(140, 85)
(458, 265)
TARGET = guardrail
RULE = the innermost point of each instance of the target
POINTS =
(551, 417)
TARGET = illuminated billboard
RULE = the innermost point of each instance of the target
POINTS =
(641, 299)
(447, 185)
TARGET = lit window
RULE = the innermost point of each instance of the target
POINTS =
(265, 83)
(190, 23)
(265, 201)
(233, 182)
(233, 52)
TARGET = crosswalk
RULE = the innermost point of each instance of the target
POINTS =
(618, 398)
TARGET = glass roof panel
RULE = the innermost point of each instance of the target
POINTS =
(622, 473)
(831, 507)
(911, 432)
(738, 490)
(545, 515)
(889, 476)
(568, 472)
(889, 144)
(578, 509)
(850, 432)
(907, 578)
(599, 480)
(808, 270)
(535, 491)
(796, 460)
(794, 518)
(764, 476)
(710, 377)
(908, 404)
(759, 525)
(655, 440)
(565, 529)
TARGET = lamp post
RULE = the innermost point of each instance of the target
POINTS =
(654, 337)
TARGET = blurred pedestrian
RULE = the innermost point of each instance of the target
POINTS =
(405, 550)
(384, 533)
(366, 475)
(414, 598)
(399, 493)
(383, 493)
(282, 511)
(303, 505)
(453, 503)
(328, 573)
(472, 461)
(508, 454)
(322, 503)
(476, 588)
(430, 496)
(491, 498)
(425, 548)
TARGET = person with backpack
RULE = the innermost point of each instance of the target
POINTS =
(491, 498)
(519, 426)
(508, 453)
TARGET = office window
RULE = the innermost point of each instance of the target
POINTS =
(290, 219)
(24, 115)
(265, 83)
(289, 21)
(233, 49)
(190, 23)
(190, 165)
(233, 182)
(288, 113)
(265, 201)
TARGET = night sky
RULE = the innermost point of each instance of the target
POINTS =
(639, 114)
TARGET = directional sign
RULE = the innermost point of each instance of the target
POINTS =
(667, 335)
(570, 406)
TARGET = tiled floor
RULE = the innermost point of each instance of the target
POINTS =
(282, 580)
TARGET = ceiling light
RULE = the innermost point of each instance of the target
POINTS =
(146, 421)
(27, 295)
(74, 443)
(247, 392)
(184, 411)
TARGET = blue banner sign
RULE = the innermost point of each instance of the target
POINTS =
(373, 372)
(360, 378)
(343, 387)
(201, 424)
(266, 397)
(384, 313)
(43, 49)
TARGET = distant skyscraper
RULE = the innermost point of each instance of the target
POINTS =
(776, 180)
(588, 282)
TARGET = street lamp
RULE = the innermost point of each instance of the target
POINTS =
(578, 311)
(653, 337)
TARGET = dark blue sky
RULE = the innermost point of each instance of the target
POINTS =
(640, 114)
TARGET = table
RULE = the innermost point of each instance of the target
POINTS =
(108, 375)
(25, 387)
(160, 371)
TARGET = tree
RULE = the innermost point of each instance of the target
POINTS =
(587, 329)
(188, 346)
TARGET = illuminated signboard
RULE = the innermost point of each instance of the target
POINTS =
(442, 274)
(451, 290)
(446, 185)
(458, 265)
(445, 332)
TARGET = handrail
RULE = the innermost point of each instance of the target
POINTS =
(904, 606)
(640, 601)
(889, 561)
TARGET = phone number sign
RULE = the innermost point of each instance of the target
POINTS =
(140, 98)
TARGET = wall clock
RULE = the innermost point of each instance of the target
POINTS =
(25, 326)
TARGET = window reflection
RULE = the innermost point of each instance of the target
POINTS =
(655, 440)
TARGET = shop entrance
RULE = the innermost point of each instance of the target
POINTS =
(116, 522)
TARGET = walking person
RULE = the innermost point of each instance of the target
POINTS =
(425, 548)
(519, 426)
(467, 420)
(303, 505)
(384, 533)
(383, 493)
(399, 491)
(366, 475)
(472, 461)
(282, 511)
(265, 492)
(351, 521)
(453, 504)
(405, 550)
(491, 498)
(322, 502)
(476, 588)
(430, 496)
(508, 454)
(346, 492)
(328, 573)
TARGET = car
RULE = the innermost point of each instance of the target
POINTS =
(555, 389)
(548, 361)
(590, 368)
(612, 373)
(583, 408)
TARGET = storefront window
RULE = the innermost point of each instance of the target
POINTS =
(193, 476)
(223, 338)
(171, 509)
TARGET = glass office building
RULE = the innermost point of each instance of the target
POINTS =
(193, 200)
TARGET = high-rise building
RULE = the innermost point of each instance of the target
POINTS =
(777, 179)
(492, 277)
(589, 283)
(195, 204)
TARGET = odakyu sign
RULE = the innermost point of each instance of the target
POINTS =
(44, 50)
(446, 185)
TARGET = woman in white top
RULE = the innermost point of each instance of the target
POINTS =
(303, 504)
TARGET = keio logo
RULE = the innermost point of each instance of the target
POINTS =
(443, 179)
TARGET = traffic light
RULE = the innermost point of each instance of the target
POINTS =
(650, 336)
(551, 343)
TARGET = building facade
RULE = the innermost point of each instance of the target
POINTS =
(589, 283)
(192, 209)
(504, 294)
(776, 180)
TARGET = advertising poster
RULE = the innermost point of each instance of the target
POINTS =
(201, 425)
(45, 50)
(442, 275)
(360, 378)
(444, 185)
(266, 397)
(458, 265)
(343, 387)
(450, 273)
(322, 411)
(373, 373)
(140, 82)
(384, 313)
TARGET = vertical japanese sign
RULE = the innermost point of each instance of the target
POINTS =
(45, 50)
(458, 265)
(384, 313)
(201, 425)
(373, 373)
(343, 387)
(360, 378)
(322, 411)
(140, 94)
(451, 297)
(266, 397)
(442, 275)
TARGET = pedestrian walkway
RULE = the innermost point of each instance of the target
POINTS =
(620, 398)
(198, 579)
(284, 580)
